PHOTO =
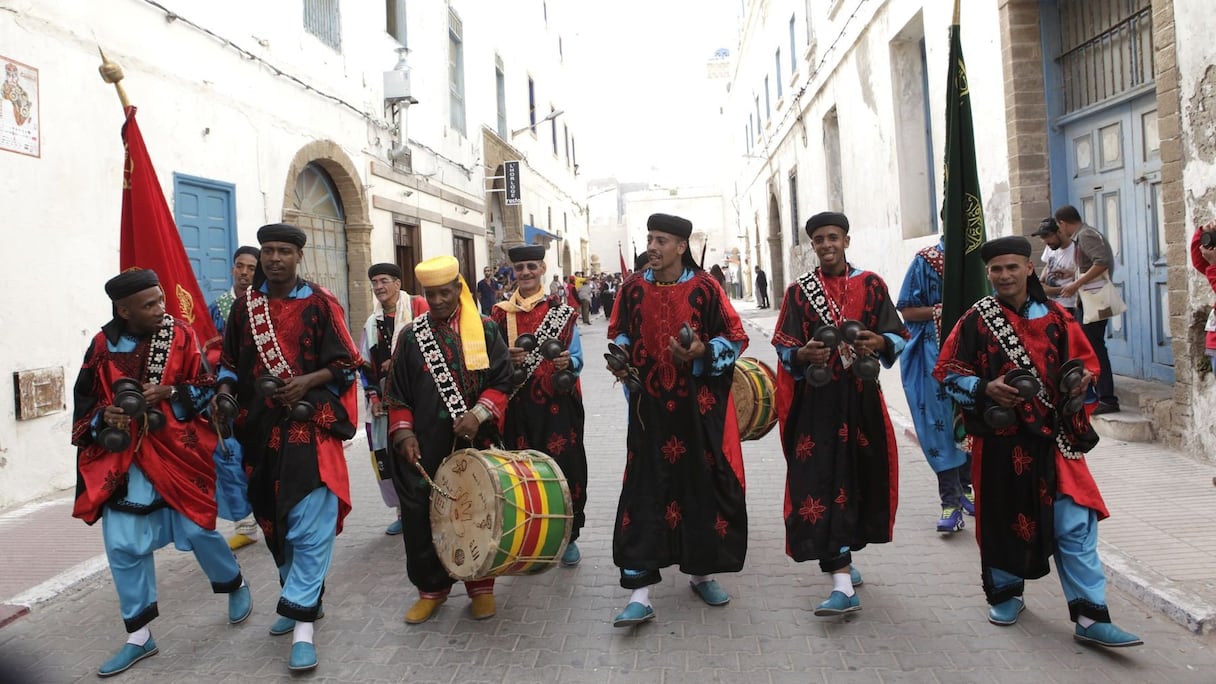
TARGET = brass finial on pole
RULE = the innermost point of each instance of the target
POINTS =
(956, 5)
(111, 72)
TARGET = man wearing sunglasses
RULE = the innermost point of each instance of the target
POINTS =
(546, 409)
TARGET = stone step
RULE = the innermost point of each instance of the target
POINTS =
(1128, 425)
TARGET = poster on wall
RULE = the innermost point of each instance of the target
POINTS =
(19, 109)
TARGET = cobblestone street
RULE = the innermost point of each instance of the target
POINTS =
(923, 617)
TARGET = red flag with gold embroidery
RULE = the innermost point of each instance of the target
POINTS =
(149, 237)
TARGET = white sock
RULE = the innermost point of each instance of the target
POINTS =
(698, 579)
(843, 582)
(1085, 622)
(140, 636)
(302, 632)
(641, 596)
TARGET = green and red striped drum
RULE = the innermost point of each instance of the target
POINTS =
(510, 513)
(754, 390)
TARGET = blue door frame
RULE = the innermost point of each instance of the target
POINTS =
(205, 212)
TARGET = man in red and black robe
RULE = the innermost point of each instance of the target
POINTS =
(149, 477)
(682, 501)
(290, 362)
(1035, 496)
(447, 386)
(842, 467)
(545, 414)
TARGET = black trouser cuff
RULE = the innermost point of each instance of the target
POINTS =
(1082, 608)
(996, 596)
(639, 579)
(228, 587)
(142, 619)
(295, 611)
(835, 563)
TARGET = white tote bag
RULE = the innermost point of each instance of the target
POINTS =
(1101, 304)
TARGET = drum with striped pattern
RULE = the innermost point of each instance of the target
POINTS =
(510, 513)
(754, 390)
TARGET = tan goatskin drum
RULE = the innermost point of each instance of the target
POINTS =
(754, 390)
(510, 513)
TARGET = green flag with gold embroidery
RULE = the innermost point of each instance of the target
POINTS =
(965, 280)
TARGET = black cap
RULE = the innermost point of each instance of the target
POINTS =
(666, 223)
(391, 270)
(526, 253)
(130, 282)
(282, 232)
(1046, 227)
(1014, 244)
(827, 218)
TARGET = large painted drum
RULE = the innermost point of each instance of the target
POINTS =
(510, 513)
(754, 390)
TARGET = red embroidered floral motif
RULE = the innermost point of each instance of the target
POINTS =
(842, 498)
(673, 450)
(720, 526)
(189, 436)
(1021, 460)
(201, 484)
(556, 444)
(625, 520)
(812, 510)
(671, 406)
(862, 440)
(298, 433)
(275, 438)
(705, 400)
(553, 409)
(267, 528)
(804, 448)
(114, 480)
(843, 432)
(709, 459)
(1024, 528)
(325, 416)
(673, 514)
(521, 443)
(1044, 495)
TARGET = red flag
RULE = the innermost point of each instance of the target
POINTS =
(149, 237)
(624, 270)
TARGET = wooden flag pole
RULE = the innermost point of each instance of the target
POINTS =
(111, 72)
(956, 6)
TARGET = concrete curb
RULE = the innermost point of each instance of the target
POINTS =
(1132, 576)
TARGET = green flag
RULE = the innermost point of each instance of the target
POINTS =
(965, 280)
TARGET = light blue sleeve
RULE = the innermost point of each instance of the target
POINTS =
(576, 352)
(723, 353)
(961, 389)
(897, 347)
(786, 355)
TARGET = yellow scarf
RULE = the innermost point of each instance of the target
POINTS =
(517, 304)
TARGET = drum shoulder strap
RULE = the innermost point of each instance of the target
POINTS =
(437, 366)
(813, 290)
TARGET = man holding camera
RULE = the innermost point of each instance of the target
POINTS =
(842, 468)
(1035, 496)
(150, 431)
(289, 364)
(545, 411)
(447, 385)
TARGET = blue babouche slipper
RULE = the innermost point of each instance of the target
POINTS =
(838, 604)
(394, 528)
(285, 625)
(1006, 613)
(303, 657)
(240, 605)
(571, 556)
(634, 614)
(1106, 634)
(711, 592)
(127, 656)
(855, 576)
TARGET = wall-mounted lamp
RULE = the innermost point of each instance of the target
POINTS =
(552, 115)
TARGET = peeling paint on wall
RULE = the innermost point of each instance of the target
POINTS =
(1201, 110)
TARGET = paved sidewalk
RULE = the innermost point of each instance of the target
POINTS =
(923, 617)
(1159, 544)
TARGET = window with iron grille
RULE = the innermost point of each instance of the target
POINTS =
(778, 61)
(1106, 49)
(456, 71)
(532, 104)
(321, 20)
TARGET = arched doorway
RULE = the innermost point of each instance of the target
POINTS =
(776, 279)
(318, 211)
(567, 261)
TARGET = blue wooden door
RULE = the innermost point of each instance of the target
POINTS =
(205, 212)
(1114, 166)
